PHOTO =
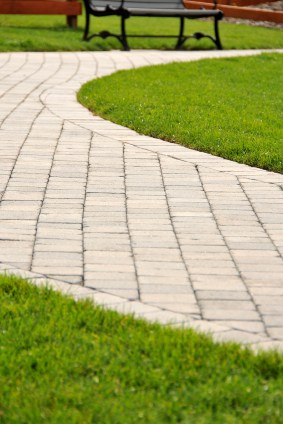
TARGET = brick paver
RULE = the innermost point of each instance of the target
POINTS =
(134, 223)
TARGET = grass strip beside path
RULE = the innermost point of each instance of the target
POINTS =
(49, 33)
(231, 107)
(66, 361)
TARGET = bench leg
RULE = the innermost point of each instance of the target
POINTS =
(72, 21)
(105, 34)
(217, 37)
(85, 36)
(181, 38)
(123, 37)
(198, 35)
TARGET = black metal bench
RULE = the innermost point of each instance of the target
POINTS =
(146, 8)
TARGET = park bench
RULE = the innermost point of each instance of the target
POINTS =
(70, 8)
(150, 8)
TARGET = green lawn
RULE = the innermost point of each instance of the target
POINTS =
(63, 361)
(49, 33)
(227, 107)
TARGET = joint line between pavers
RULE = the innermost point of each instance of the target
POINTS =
(128, 227)
(35, 88)
(58, 84)
(75, 71)
(230, 253)
(173, 228)
(19, 153)
(9, 56)
(15, 71)
(44, 194)
(113, 63)
(258, 218)
(134, 66)
(193, 162)
(20, 82)
(122, 305)
(84, 205)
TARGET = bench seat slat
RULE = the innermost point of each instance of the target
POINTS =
(177, 4)
(193, 13)
(174, 13)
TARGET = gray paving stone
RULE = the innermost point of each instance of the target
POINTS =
(207, 257)
(273, 345)
(228, 271)
(269, 300)
(273, 320)
(106, 299)
(100, 257)
(256, 327)
(228, 295)
(51, 245)
(271, 309)
(218, 282)
(239, 337)
(56, 262)
(276, 332)
(50, 269)
(51, 255)
(76, 291)
(145, 271)
(164, 317)
(23, 264)
(266, 291)
(231, 314)
(106, 274)
(202, 326)
(224, 305)
(190, 309)
(136, 308)
(94, 246)
(264, 276)
(110, 268)
(168, 298)
(127, 294)
(160, 289)
(160, 280)
(203, 249)
(105, 284)
(254, 283)
(60, 233)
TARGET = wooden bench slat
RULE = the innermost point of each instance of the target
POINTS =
(46, 7)
(244, 12)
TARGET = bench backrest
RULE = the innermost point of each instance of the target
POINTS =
(141, 4)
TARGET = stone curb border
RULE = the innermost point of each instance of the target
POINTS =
(141, 310)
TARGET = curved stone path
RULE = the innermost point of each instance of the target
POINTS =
(137, 224)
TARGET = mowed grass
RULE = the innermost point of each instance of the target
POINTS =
(50, 33)
(63, 361)
(231, 108)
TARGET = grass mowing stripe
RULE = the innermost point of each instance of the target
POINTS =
(67, 361)
(227, 107)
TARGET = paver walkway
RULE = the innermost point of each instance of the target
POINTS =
(136, 223)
